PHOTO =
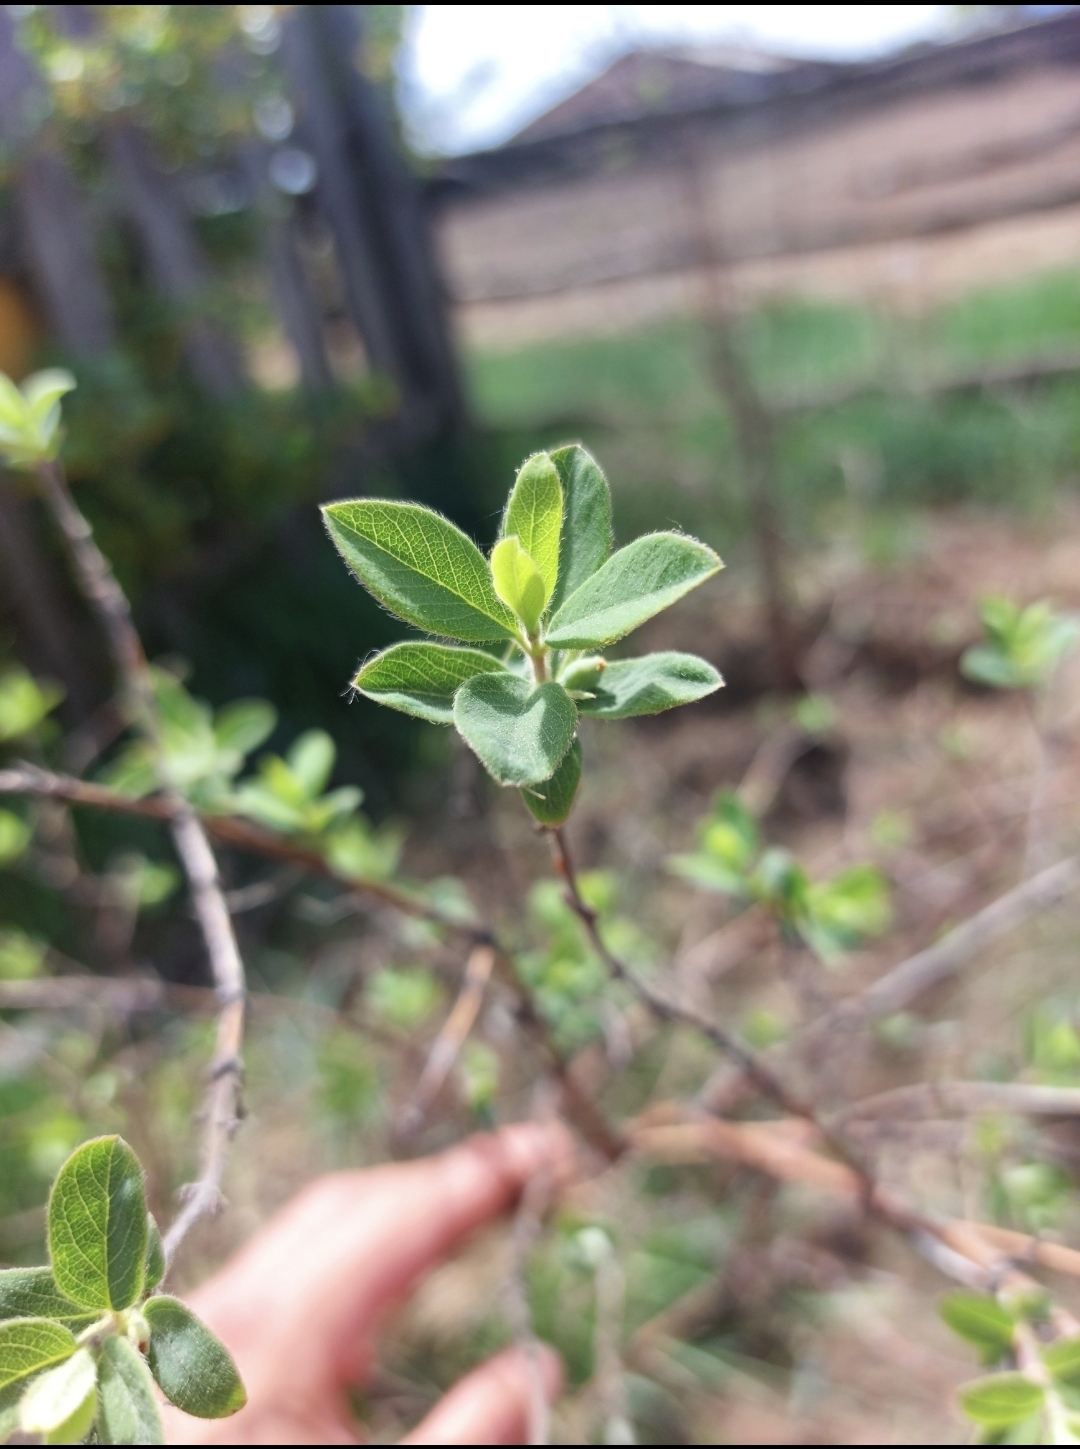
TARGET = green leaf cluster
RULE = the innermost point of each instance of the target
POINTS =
(30, 417)
(81, 1342)
(831, 916)
(550, 597)
(1022, 646)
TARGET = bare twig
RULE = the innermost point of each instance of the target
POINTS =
(937, 1099)
(452, 1037)
(528, 1223)
(938, 962)
(223, 1097)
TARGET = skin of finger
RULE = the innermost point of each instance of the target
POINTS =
(297, 1305)
(491, 1405)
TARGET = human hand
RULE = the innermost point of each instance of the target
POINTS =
(298, 1305)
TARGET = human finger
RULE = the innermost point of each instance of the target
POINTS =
(492, 1405)
(301, 1298)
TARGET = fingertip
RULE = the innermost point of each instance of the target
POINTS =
(527, 1149)
(494, 1403)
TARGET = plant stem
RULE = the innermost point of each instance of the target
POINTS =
(222, 1106)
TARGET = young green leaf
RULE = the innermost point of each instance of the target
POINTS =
(243, 725)
(29, 1346)
(639, 581)
(586, 527)
(32, 1293)
(192, 1368)
(518, 731)
(420, 567)
(127, 1406)
(422, 679)
(552, 800)
(155, 1255)
(311, 759)
(518, 582)
(534, 514)
(1063, 1360)
(97, 1225)
(1001, 1399)
(650, 684)
(61, 1404)
(980, 1320)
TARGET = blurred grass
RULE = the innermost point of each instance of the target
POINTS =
(646, 402)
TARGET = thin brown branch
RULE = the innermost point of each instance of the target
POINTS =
(893, 991)
(528, 1223)
(452, 1036)
(222, 1107)
(942, 1099)
(25, 779)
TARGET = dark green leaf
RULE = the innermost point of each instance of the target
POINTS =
(32, 1293)
(155, 1255)
(127, 1405)
(639, 581)
(586, 528)
(97, 1225)
(60, 1405)
(519, 731)
(1063, 1360)
(1001, 1399)
(193, 1369)
(420, 567)
(552, 800)
(422, 679)
(28, 1346)
(980, 1320)
(649, 685)
(534, 514)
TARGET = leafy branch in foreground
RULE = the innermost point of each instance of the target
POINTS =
(549, 599)
(83, 1341)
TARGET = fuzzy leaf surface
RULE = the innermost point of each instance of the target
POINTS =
(534, 513)
(518, 731)
(192, 1367)
(586, 526)
(127, 1406)
(518, 581)
(29, 1346)
(639, 581)
(420, 567)
(32, 1293)
(60, 1405)
(422, 679)
(648, 685)
(552, 800)
(97, 1225)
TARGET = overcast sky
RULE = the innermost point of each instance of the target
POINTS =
(473, 75)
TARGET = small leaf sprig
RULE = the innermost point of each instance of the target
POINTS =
(552, 594)
(1023, 646)
(830, 916)
(81, 1342)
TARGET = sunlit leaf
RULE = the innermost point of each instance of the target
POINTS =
(421, 679)
(61, 1404)
(1001, 1399)
(518, 581)
(639, 581)
(1063, 1360)
(420, 567)
(534, 514)
(192, 1368)
(97, 1225)
(243, 725)
(155, 1255)
(980, 1320)
(29, 1346)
